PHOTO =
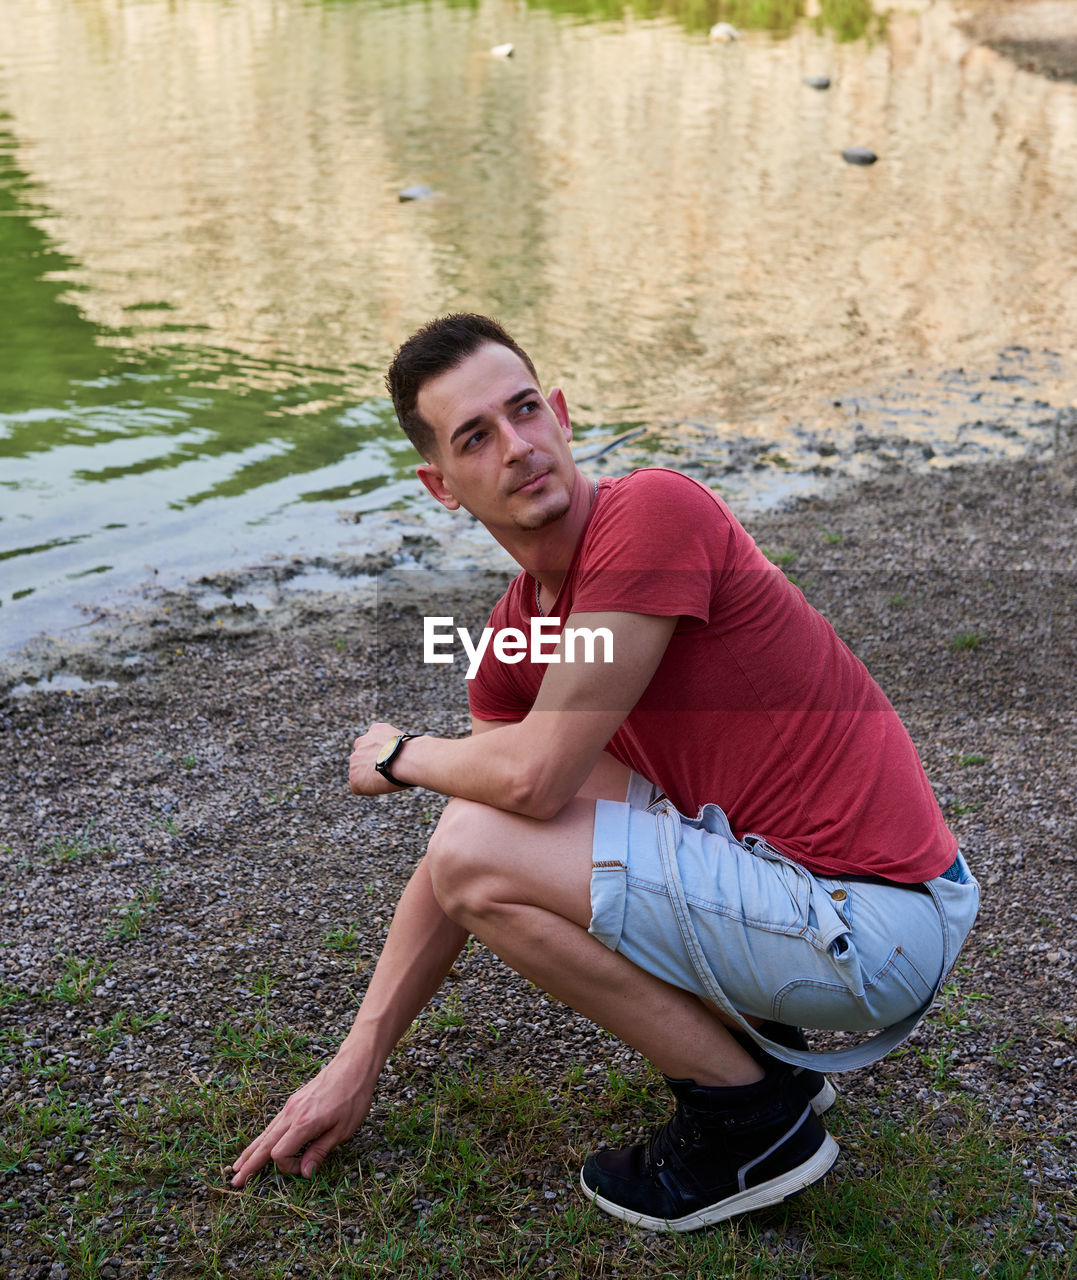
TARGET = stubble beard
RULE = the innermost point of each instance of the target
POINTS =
(530, 520)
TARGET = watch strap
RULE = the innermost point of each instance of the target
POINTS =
(382, 766)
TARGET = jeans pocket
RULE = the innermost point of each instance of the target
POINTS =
(899, 987)
(841, 997)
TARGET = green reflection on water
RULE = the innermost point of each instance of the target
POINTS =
(45, 341)
(693, 15)
(66, 384)
(848, 19)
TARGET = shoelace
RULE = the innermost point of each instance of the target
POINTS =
(676, 1135)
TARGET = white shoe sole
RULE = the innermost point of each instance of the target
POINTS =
(767, 1193)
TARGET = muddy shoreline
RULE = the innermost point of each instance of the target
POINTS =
(211, 774)
(1038, 35)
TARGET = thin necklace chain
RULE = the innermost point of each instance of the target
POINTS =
(538, 590)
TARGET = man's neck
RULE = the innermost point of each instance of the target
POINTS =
(547, 553)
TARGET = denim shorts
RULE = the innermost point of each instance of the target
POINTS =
(845, 953)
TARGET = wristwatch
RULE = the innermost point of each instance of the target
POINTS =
(388, 754)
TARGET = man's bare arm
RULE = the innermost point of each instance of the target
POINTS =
(419, 951)
(536, 766)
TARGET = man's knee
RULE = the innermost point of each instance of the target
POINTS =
(462, 871)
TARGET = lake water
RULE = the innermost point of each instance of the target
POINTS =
(205, 265)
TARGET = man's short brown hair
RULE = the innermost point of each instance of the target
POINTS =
(437, 347)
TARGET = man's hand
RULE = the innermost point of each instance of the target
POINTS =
(363, 778)
(325, 1112)
(419, 951)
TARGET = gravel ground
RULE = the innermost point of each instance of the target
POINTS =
(206, 788)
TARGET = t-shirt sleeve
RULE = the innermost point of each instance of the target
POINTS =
(494, 694)
(660, 544)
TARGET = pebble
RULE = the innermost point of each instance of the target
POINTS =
(723, 33)
(859, 155)
(419, 191)
(817, 82)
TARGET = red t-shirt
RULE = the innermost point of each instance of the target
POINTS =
(756, 706)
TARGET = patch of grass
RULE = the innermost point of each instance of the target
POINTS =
(13, 1151)
(932, 1188)
(54, 1116)
(967, 641)
(122, 1025)
(247, 1041)
(783, 559)
(49, 1068)
(133, 915)
(343, 937)
(166, 822)
(776, 460)
(63, 850)
(272, 798)
(475, 1176)
(12, 1040)
(190, 762)
(954, 1009)
(447, 1014)
(939, 1062)
(959, 810)
(1001, 1053)
(967, 761)
(264, 984)
(78, 979)
(1058, 1028)
(832, 539)
(10, 995)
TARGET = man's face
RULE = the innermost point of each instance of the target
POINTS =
(502, 447)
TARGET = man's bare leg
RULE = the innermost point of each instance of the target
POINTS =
(739, 1139)
(524, 888)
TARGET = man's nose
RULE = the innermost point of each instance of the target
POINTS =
(514, 445)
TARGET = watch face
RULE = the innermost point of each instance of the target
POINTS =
(386, 752)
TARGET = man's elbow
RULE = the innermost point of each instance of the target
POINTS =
(543, 808)
(539, 795)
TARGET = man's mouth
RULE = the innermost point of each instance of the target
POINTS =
(531, 482)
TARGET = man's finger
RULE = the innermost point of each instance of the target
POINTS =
(285, 1153)
(246, 1166)
(314, 1157)
(254, 1156)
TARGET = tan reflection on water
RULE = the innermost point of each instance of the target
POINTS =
(669, 224)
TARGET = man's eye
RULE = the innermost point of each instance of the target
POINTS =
(473, 439)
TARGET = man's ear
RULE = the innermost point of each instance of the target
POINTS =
(431, 476)
(557, 402)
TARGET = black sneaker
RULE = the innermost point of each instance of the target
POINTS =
(724, 1152)
(815, 1087)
